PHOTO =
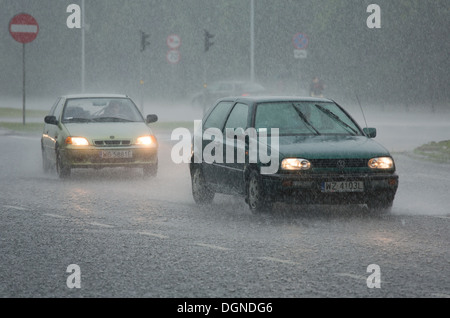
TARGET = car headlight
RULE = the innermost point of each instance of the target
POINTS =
(381, 163)
(295, 164)
(77, 141)
(145, 140)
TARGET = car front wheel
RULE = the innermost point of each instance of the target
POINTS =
(62, 170)
(150, 171)
(380, 204)
(46, 165)
(200, 191)
(256, 198)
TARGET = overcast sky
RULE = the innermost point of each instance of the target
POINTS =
(407, 58)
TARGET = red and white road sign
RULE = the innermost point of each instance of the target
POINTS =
(173, 41)
(173, 56)
(23, 28)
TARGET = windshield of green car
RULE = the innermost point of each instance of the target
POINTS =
(87, 110)
(305, 118)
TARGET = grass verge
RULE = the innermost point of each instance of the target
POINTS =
(435, 151)
(17, 113)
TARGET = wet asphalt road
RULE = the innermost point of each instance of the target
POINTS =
(133, 237)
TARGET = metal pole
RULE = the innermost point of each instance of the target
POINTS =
(141, 81)
(82, 47)
(252, 40)
(23, 84)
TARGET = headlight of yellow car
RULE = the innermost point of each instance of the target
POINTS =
(295, 164)
(381, 163)
(146, 140)
(77, 141)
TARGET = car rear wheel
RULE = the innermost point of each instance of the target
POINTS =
(200, 191)
(256, 198)
(62, 170)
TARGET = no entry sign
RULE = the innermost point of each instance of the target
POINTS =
(23, 28)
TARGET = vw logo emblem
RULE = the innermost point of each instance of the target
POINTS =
(340, 164)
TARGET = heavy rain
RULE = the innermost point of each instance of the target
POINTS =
(129, 236)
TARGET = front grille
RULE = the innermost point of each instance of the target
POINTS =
(339, 163)
(112, 143)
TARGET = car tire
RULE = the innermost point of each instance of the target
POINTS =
(62, 170)
(150, 171)
(381, 204)
(46, 165)
(200, 191)
(256, 197)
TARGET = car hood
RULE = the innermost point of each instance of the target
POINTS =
(106, 130)
(328, 147)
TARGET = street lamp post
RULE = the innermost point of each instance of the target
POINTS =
(83, 28)
(252, 40)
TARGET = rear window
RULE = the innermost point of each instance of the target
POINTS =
(217, 117)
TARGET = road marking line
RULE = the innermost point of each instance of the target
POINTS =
(54, 215)
(441, 217)
(351, 275)
(217, 247)
(441, 295)
(273, 259)
(15, 207)
(100, 224)
(153, 234)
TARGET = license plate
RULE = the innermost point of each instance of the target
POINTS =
(343, 186)
(116, 154)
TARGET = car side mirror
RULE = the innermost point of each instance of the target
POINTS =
(370, 132)
(151, 119)
(51, 120)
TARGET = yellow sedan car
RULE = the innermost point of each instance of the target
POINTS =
(96, 131)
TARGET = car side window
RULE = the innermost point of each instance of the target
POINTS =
(217, 117)
(238, 117)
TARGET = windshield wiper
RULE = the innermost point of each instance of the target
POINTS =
(111, 119)
(336, 118)
(77, 120)
(305, 120)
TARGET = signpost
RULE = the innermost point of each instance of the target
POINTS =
(24, 29)
(300, 42)
(173, 55)
(173, 41)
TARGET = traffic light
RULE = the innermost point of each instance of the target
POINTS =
(208, 43)
(144, 41)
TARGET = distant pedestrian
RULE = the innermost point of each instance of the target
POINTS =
(316, 88)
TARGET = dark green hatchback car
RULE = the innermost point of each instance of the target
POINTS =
(289, 149)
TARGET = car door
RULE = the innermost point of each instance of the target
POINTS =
(51, 131)
(235, 153)
(47, 142)
(214, 123)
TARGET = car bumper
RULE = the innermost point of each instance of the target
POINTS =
(310, 189)
(94, 157)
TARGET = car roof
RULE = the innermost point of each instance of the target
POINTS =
(69, 96)
(265, 99)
